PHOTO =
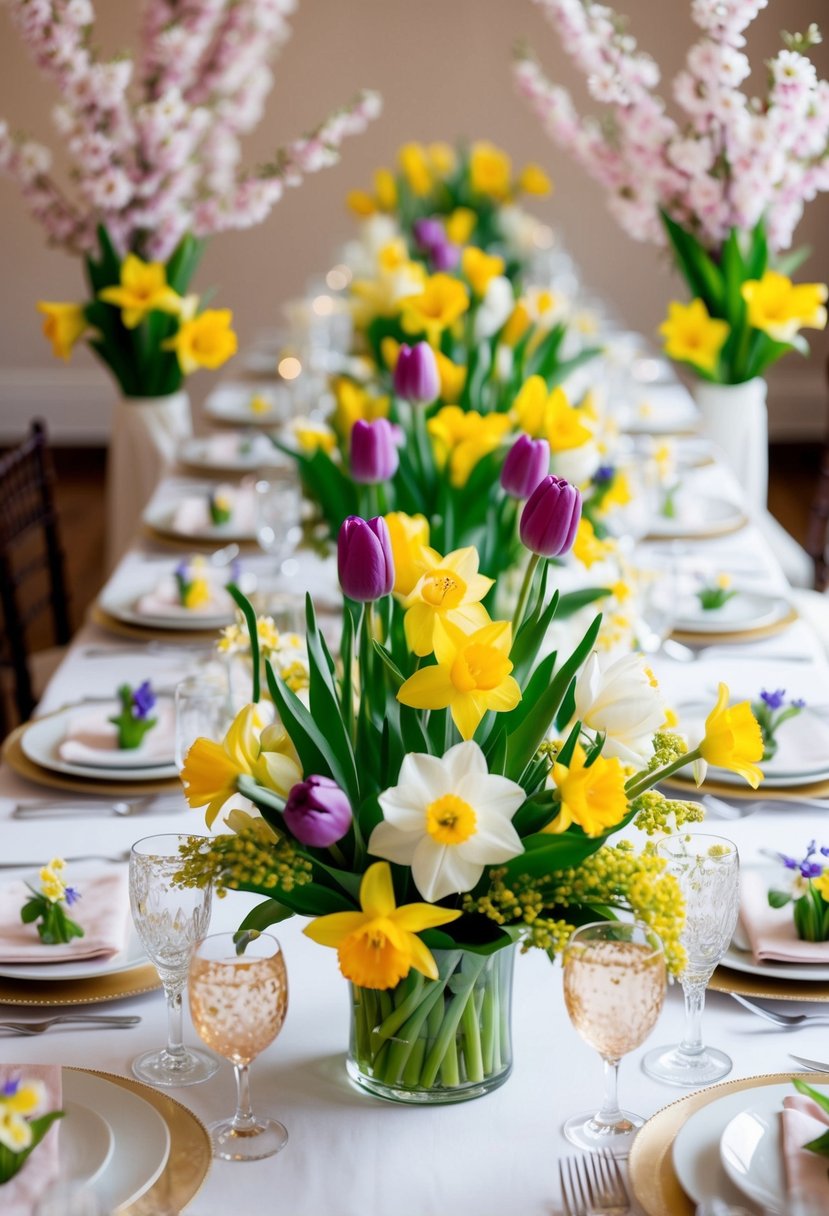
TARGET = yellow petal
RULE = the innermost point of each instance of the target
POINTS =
(332, 929)
(429, 688)
(377, 891)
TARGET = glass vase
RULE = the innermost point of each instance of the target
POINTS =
(436, 1041)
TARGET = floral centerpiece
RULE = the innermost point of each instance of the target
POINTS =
(22, 1126)
(448, 789)
(724, 184)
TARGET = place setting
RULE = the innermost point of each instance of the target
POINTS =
(231, 452)
(207, 513)
(248, 404)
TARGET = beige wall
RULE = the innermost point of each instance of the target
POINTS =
(443, 67)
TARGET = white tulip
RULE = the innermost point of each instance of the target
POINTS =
(621, 699)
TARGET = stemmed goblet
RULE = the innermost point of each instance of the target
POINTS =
(614, 986)
(707, 869)
(202, 709)
(238, 1002)
(170, 919)
(278, 507)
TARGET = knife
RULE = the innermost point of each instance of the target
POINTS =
(812, 1065)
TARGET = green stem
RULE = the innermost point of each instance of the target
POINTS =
(472, 1048)
(635, 787)
(409, 1002)
(520, 607)
(464, 997)
(489, 1025)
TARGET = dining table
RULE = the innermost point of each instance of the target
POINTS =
(352, 1154)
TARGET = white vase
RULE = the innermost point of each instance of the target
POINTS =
(735, 418)
(145, 435)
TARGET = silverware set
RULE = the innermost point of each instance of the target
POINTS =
(785, 1021)
(99, 1021)
(57, 808)
(593, 1185)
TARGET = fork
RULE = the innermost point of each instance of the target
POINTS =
(593, 1185)
(47, 808)
(102, 1020)
(787, 1021)
(114, 858)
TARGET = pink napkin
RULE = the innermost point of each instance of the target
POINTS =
(20, 1196)
(771, 931)
(103, 912)
(92, 739)
(164, 600)
(807, 1174)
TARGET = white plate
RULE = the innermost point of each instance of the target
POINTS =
(660, 409)
(85, 1141)
(226, 451)
(232, 403)
(702, 517)
(785, 770)
(162, 517)
(696, 1149)
(141, 1138)
(751, 1154)
(43, 736)
(745, 610)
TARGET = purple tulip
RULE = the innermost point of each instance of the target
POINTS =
(444, 256)
(527, 463)
(428, 233)
(364, 559)
(550, 517)
(416, 374)
(317, 812)
(374, 455)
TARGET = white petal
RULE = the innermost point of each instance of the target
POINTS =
(462, 761)
(493, 795)
(423, 777)
(386, 841)
(401, 812)
(496, 840)
(637, 751)
(439, 870)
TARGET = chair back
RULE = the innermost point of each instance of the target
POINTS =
(816, 537)
(32, 578)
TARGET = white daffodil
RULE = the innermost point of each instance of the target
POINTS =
(495, 308)
(577, 465)
(448, 818)
(621, 699)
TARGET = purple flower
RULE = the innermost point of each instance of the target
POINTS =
(143, 700)
(428, 233)
(774, 700)
(9, 1088)
(416, 376)
(798, 703)
(811, 869)
(373, 456)
(71, 895)
(234, 571)
(603, 474)
(444, 256)
(550, 517)
(364, 560)
(317, 812)
(527, 463)
(182, 570)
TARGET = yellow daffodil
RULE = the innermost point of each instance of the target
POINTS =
(821, 885)
(378, 946)
(471, 676)
(533, 180)
(452, 378)
(385, 189)
(593, 798)
(489, 171)
(518, 322)
(206, 341)
(692, 336)
(52, 885)
(450, 589)
(63, 325)
(260, 404)
(442, 159)
(18, 1102)
(463, 437)
(733, 739)
(441, 302)
(198, 593)
(383, 295)
(212, 769)
(460, 224)
(414, 163)
(546, 414)
(143, 289)
(313, 436)
(619, 493)
(360, 203)
(393, 255)
(780, 307)
(479, 268)
(588, 548)
(409, 535)
(355, 404)
(390, 351)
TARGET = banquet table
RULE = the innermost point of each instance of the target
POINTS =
(350, 1154)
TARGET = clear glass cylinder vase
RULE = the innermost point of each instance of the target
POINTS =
(436, 1041)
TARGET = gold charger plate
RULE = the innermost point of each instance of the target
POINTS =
(743, 635)
(190, 1157)
(651, 1171)
(148, 633)
(746, 983)
(17, 760)
(45, 993)
(171, 539)
(736, 525)
(766, 793)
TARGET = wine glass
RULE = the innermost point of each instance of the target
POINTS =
(278, 506)
(170, 919)
(614, 986)
(238, 1002)
(202, 710)
(707, 869)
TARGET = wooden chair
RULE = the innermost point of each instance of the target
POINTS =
(32, 580)
(816, 537)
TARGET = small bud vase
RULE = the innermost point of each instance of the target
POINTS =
(436, 1041)
(735, 418)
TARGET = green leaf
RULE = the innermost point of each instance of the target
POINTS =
(271, 912)
(573, 601)
(700, 273)
(325, 706)
(779, 899)
(757, 258)
(565, 756)
(546, 853)
(315, 754)
(242, 601)
(815, 1094)
(788, 263)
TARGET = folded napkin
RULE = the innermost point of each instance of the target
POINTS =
(771, 931)
(92, 739)
(103, 912)
(227, 447)
(807, 1174)
(192, 515)
(20, 1196)
(164, 600)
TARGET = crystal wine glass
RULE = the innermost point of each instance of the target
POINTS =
(238, 1001)
(707, 869)
(170, 919)
(614, 986)
(278, 507)
(202, 710)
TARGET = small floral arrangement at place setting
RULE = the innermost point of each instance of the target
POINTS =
(716, 594)
(771, 710)
(220, 503)
(47, 907)
(808, 892)
(460, 796)
(22, 1125)
(820, 1144)
(134, 721)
